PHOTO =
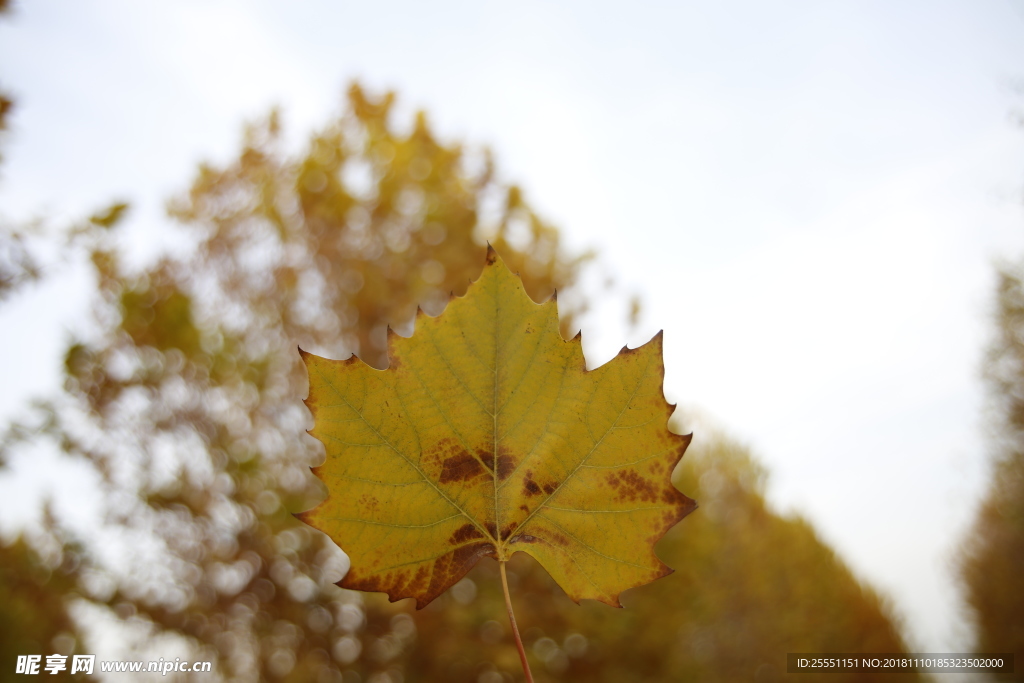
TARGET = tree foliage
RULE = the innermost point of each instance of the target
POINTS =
(992, 562)
(17, 264)
(185, 395)
(38, 568)
(35, 589)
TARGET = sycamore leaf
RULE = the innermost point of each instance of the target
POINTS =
(486, 436)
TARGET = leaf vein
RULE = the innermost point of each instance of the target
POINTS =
(590, 547)
(402, 455)
(591, 452)
(650, 507)
(389, 524)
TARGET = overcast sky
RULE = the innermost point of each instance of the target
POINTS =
(808, 196)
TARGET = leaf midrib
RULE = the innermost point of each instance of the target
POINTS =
(494, 435)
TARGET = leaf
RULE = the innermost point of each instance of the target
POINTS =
(487, 436)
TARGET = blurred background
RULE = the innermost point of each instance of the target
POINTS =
(820, 204)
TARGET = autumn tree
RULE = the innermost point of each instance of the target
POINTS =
(186, 398)
(39, 567)
(186, 395)
(17, 263)
(35, 589)
(992, 560)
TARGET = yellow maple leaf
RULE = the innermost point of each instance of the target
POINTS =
(487, 436)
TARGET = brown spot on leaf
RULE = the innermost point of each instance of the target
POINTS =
(491, 529)
(506, 463)
(509, 528)
(430, 460)
(550, 488)
(525, 509)
(433, 456)
(466, 532)
(460, 467)
(530, 488)
(630, 486)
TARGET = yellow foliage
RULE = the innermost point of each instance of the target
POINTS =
(487, 436)
(992, 557)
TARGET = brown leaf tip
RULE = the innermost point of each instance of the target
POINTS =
(305, 517)
(427, 581)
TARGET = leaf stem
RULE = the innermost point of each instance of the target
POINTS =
(515, 629)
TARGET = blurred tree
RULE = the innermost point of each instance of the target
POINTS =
(34, 593)
(17, 264)
(38, 570)
(992, 560)
(185, 396)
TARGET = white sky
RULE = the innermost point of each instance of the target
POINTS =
(809, 197)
